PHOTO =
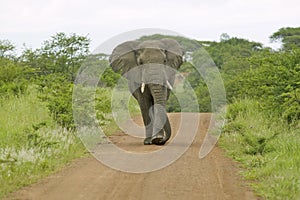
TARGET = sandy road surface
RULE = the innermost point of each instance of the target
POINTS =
(214, 177)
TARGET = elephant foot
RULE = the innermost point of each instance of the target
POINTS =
(159, 142)
(148, 141)
(158, 139)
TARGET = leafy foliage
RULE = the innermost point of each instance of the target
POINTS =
(31, 144)
(274, 81)
(61, 54)
(7, 49)
(12, 78)
(268, 148)
(57, 92)
(290, 37)
(231, 48)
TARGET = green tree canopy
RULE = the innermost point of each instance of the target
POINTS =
(290, 37)
(229, 48)
(6, 49)
(61, 54)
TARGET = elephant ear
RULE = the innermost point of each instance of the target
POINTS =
(174, 53)
(174, 56)
(123, 57)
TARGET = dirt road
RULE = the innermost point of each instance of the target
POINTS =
(211, 178)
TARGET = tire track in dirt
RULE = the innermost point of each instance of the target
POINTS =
(211, 178)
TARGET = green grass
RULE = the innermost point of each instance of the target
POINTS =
(17, 114)
(31, 144)
(267, 147)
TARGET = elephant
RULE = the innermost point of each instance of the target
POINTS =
(150, 67)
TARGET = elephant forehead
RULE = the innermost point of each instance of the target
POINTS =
(153, 67)
(151, 70)
(151, 54)
(154, 44)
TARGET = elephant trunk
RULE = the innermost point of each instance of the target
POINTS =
(161, 122)
(159, 93)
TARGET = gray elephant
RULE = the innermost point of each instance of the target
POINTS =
(150, 68)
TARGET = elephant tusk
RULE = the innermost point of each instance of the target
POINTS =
(169, 85)
(143, 87)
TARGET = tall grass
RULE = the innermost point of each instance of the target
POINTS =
(31, 144)
(267, 147)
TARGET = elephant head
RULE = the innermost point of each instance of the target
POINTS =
(150, 68)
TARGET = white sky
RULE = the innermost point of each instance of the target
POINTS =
(33, 21)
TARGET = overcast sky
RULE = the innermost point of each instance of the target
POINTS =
(33, 21)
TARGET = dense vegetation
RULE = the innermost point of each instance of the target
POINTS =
(36, 120)
(263, 93)
(263, 119)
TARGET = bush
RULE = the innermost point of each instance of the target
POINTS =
(267, 146)
(31, 144)
(56, 90)
(274, 81)
(12, 78)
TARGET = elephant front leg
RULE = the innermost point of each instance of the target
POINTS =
(148, 122)
(161, 126)
(145, 101)
(161, 122)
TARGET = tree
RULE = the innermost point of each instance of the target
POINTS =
(224, 37)
(228, 48)
(290, 37)
(273, 81)
(61, 54)
(6, 49)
